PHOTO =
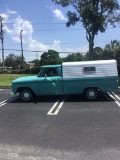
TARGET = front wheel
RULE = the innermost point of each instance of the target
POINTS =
(26, 95)
(91, 93)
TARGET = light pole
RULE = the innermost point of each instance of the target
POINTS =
(21, 44)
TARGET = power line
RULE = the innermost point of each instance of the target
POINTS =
(18, 50)
(46, 23)
(57, 29)
(63, 43)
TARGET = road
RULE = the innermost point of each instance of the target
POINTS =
(60, 128)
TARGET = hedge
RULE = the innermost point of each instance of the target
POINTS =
(34, 70)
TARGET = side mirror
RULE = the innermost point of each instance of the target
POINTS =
(45, 76)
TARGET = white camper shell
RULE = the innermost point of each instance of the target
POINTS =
(101, 68)
(89, 77)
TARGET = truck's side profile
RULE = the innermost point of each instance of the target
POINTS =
(87, 77)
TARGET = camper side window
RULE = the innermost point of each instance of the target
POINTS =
(89, 69)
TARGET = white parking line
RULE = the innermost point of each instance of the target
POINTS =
(50, 111)
(7, 101)
(3, 102)
(58, 108)
(116, 95)
(114, 99)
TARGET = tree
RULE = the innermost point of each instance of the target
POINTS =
(13, 61)
(0, 64)
(50, 57)
(112, 51)
(74, 57)
(36, 62)
(97, 53)
(95, 15)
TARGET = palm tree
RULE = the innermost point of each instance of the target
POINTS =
(112, 50)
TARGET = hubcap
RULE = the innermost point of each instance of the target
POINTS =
(91, 94)
(26, 95)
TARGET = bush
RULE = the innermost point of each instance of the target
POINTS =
(34, 70)
(16, 72)
(4, 72)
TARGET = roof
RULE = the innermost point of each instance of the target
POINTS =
(88, 62)
(32, 64)
(51, 66)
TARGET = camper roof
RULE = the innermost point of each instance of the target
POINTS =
(88, 62)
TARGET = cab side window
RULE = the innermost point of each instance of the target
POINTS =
(50, 72)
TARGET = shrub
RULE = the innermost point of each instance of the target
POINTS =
(34, 70)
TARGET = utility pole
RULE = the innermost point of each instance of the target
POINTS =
(21, 44)
(1, 37)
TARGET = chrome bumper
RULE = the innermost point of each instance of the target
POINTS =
(14, 94)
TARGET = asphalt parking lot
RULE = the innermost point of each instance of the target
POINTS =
(60, 128)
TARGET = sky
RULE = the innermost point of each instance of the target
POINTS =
(44, 27)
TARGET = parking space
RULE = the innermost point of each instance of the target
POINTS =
(60, 128)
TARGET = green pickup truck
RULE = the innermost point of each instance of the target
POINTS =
(88, 78)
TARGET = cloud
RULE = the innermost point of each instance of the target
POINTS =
(56, 45)
(18, 25)
(37, 46)
(41, 47)
(11, 12)
(82, 49)
(68, 50)
(59, 15)
(4, 16)
(14, 23)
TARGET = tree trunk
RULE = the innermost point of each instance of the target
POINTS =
(91, 44)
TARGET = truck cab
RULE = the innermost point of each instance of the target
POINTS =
(47, 82)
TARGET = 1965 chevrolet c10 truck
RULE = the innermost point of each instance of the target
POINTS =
(88, 77)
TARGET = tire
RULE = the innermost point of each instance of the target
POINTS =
(91, 93)
(26, 95)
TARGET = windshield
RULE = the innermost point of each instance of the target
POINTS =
(40, 73)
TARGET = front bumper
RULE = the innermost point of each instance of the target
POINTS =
(14, 94)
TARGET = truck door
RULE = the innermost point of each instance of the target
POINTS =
(51, 83)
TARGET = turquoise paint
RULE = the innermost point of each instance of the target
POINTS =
(39, 84)
(77, 86)
(53, 85)
(25, 79)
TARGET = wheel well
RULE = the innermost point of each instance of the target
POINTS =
(96, 88)
(24, 88)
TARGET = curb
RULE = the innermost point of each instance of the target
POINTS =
(6, 87)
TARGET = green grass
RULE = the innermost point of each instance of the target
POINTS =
(6, 79)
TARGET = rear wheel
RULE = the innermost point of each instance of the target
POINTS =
(91, 93)
(26, 95)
